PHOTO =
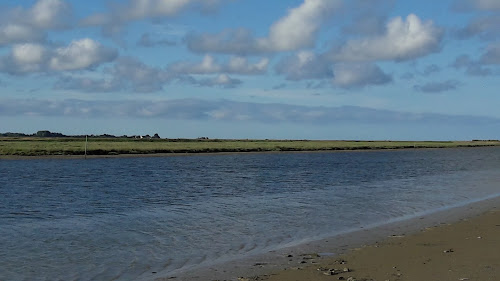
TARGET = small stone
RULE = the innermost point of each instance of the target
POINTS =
(290, 256)
(448, 251)
(341, 278)
(346, 269)
(351, 279)
(331, 271)
(341, 261)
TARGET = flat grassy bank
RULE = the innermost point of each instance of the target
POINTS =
(33, 146)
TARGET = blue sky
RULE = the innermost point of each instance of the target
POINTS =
(299, 69)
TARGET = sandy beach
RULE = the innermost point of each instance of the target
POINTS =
(461, 243)
(466, 250)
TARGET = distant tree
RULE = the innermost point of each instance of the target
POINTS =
(156, 136)
(48, 134)
(42, 133)
(9, 134)
(107, 136)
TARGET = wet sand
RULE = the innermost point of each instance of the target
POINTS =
(466, 250)
(460, 243)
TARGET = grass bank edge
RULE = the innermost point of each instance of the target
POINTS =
(117, 146)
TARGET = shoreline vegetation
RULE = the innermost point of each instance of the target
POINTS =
(45, 143)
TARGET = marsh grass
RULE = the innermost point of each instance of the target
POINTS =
(115, 146)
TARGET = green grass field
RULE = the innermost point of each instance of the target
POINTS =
(115, 146)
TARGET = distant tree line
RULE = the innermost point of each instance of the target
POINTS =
(49, 134)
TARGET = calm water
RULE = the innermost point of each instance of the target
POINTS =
(124, 218)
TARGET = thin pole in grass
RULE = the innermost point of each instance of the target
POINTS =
(86, 140)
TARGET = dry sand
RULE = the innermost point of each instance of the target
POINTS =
(465, 250)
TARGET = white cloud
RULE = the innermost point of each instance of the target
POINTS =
(240, 65)
(96, 20)
(127, 74)
(50, 14)
(472, 67)
(138, 76)
(209, 65)
(366, 17)
(225, 81)
(87, 84)
(297, 30)
(25, 58)
(33, 57)
(17, 33)
(134, 10)
(199, 109)
(355, 75)
(221, 80)
(239, 41)
(492, 55)
(139, 9)
(486, 5)
(484, 66)
(81, 54)
(146, 40)
(403, 40)
(304, 65)
(486, 27)
(437, 87)
(28, 53)
(430, 69)
(30, 25)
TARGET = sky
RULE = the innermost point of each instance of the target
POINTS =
(294, 69)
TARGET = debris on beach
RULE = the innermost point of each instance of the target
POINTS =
(340, 261)
(333, 271)
(253, 278)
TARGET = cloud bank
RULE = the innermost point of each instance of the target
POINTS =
(224, 110)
